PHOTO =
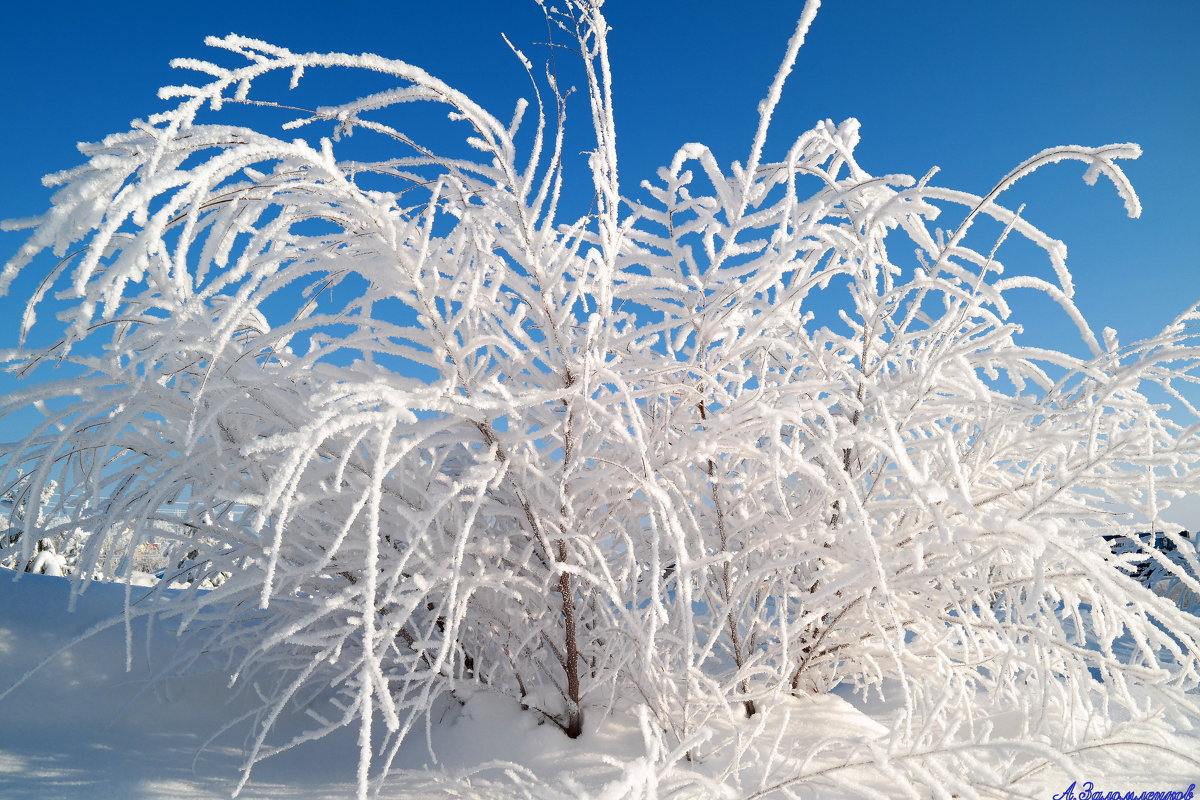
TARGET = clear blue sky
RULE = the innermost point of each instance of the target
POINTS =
(973, 87)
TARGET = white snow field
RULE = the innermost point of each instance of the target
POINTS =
(81, 726)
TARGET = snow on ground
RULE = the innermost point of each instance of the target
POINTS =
(83, 727)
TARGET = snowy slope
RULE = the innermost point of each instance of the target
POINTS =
(83, 727)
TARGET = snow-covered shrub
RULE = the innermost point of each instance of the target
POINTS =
(448, 439)
(45, 560)
(55, 547)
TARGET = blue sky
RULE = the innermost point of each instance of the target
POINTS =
(972, 87)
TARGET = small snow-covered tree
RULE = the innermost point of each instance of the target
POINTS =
(440, 439)
(46, 517)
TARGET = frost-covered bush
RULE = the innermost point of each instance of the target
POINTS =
(54, 553)
(441, 438)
